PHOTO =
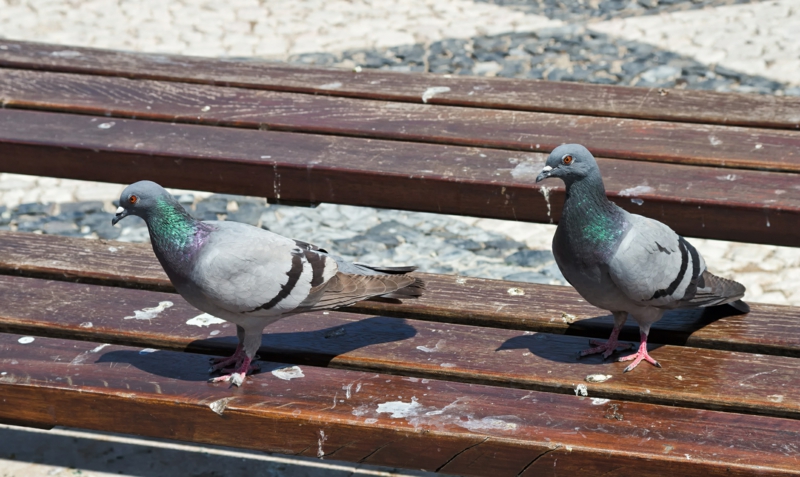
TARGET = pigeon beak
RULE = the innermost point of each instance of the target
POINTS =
(121, 214)
(546, 171)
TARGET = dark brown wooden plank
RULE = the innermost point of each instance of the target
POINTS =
(682, 143)
(767, 329)
(695, 201)
(499, 93)
(691, 377)
(430, 424)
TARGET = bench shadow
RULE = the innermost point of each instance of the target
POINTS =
(75, 452)
(315, 348)
(674, 328)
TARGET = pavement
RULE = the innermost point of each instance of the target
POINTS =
(722, 45)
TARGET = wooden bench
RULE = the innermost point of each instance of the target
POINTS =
(476, 378)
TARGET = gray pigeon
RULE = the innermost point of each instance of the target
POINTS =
(623, 262)
(250, 276)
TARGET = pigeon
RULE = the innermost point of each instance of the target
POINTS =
(623, 262)
(250, 276)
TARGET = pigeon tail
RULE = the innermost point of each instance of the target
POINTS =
(344, 289)
(412, 290)
(713, 291)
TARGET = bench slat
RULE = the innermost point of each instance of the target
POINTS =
(683, 143)
(500, 93)
(79, 384)
(695, 201)
(768, 329)
(691, 377)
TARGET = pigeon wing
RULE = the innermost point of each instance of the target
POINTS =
(654, 266)
(247, 270)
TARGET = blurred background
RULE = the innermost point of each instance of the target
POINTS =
(722, 45)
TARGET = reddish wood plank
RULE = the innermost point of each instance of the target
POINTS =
(768, 329)
(695, 201)
(499, 93)
(691, 377)
(683, 143)
(383, 419)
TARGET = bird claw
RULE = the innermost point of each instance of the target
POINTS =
(236, 376)
(637, 358)
(605, 347)
(236, 379)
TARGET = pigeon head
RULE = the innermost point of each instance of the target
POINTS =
(140, 199)
(569, 162)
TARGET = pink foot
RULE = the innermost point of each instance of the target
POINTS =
(224, 362)
(236, 376)
(606, 347)
(639, 356)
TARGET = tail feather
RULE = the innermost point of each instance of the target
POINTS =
(344, 289)
(713, 290)
(387, 270)
(412, 290)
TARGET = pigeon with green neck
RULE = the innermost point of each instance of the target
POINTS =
(250, 276)
(623, 262)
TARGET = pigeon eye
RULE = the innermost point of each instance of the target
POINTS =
(133, 199)
(567, 160)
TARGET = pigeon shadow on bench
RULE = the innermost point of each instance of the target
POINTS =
(674, 328)
(316, 348)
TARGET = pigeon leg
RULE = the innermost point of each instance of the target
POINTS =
(224, 362)
(612, 344)
(236, 376)
(606, 348)
(640, 355)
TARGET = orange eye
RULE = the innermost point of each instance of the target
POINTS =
(567, 160)
(133, 199)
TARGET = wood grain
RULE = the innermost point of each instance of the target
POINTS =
(767, 329)
(691, 377)
(660, 141)
(160, 394)
(496, 93)
(305, 168)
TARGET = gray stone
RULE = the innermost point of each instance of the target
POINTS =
(211, 207)
(660, 74)
(410, 53)
(504, 244)
(795, 91)
(393, 228)
(554, 272)
(61, 228)
(35, 209)
(557, 74)
(528, 277)
(96, 220)
(512, 68)
(465, 244)
(530, 258)
(317, 59)
(249, 213)
(107, 231)
(358, 246)
(185, 200)
(81, 208)
(30, 225)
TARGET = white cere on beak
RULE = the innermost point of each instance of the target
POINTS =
(544, 169)
(120, 210)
